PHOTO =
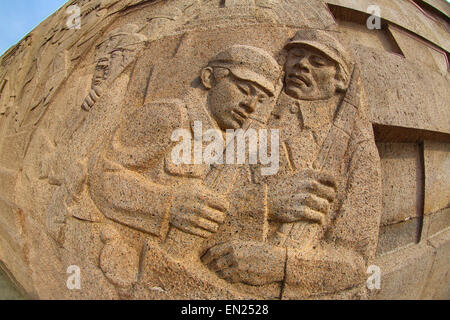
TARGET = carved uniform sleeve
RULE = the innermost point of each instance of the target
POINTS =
(357, 224)
(340, 261)
(145, 137)
(117, 185)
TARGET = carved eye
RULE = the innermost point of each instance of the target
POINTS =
(298, 52)
(100, 67)
(262, 99)
(318, 61)
(244, 88)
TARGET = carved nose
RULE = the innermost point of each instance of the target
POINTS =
(249, 105)
(302, 65)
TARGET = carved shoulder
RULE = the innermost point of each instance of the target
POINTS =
(145, 135)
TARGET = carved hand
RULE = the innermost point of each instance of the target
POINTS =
(250, 262)
(306, 195)
(197, 210)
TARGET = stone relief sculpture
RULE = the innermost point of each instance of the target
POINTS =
(322, 239)
(316, 236)
(167, 200)
(113, 56)
(300, 233)
(98, 184)
(241, 79)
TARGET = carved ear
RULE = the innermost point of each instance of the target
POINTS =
(341, 81)
(207, 76)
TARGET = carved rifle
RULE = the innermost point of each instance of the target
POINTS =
(329, 159)
(222, 178)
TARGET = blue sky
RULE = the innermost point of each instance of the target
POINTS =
(19, 17)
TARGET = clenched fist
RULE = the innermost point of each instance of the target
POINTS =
(250, 262)
(305, 195)
(198, 210)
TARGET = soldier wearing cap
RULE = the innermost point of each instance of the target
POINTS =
(133, 179)
(316, 66)
(112, 56)
(325, 218)
(240, 80)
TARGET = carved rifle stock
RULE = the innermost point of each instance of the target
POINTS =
(329, 159)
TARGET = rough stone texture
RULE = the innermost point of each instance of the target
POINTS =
(437, 169)
(87, 178)
(402, 182)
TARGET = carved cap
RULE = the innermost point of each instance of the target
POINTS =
(323, 41)
(123, 38)
(251, 64)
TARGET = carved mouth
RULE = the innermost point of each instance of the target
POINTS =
(239, 115)
(97, 81)
(300, 79)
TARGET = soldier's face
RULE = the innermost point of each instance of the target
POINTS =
(101, 71)
(310, 74)
(231, 101)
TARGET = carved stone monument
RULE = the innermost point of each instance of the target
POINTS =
(244, 149)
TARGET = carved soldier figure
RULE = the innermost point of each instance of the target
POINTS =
(133, 179)
(113, 55)
(324, 205)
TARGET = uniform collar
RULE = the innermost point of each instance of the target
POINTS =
(314, 114)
